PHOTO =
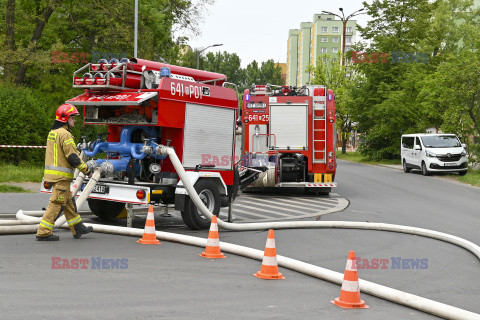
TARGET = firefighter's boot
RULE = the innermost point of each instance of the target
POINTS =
(52, 237)
(81, 229)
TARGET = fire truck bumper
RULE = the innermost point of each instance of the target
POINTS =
(307, 185)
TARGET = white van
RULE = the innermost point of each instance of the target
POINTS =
(433, 153)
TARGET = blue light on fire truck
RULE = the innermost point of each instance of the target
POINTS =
(329, 97)
(165, 72)
(247, 97)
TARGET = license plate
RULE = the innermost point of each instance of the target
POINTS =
(100, 189)
(449, 164)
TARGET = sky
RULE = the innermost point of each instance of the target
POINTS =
(258, 29)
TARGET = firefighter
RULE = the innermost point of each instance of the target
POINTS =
(61, 159)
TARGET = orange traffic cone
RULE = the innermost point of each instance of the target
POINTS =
(350, 292)
(149, 236)
(212, 251)
(269, 269)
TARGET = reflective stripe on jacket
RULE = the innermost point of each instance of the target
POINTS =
(60, 145)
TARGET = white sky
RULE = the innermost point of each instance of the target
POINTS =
(258, 29)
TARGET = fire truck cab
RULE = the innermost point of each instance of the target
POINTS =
(288, 138)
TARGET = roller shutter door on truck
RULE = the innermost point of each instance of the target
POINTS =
(289, 124)
(209, 136)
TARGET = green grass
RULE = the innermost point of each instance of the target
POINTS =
(472, 177)
(12, 173)
(357, 157)
(4, 188)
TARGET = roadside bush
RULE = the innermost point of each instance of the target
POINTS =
(25, 119)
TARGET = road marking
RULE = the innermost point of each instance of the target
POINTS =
(277, 207)
(301, 202)
(254, 208)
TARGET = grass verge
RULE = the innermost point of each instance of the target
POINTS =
(12, 173)
(472, 177)
(357, 157)
(5, 188)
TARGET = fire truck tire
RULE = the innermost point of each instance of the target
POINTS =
(208, 192)
(105, 209)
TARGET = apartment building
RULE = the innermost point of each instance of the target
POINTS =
(323, 36)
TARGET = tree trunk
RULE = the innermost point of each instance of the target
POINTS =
(10, 35)
(344, 144)
(37, 35)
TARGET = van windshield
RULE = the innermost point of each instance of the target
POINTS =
(441, 142)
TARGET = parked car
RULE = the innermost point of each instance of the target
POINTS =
(433, 153)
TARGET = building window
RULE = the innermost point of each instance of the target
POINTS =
(335, 39)
(324, 29)
(324, 39)
(335, 50)
(348, 39)
(324, 50)
(334, 60)
(334, 29)
(349, 29)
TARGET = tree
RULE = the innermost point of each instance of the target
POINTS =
(269, 72)
(340, 79)
(225, 63)
(36, 28)
(386, 100)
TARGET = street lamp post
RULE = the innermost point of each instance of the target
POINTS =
(344, 21)
(199, 52)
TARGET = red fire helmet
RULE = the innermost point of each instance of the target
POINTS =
(65, 111)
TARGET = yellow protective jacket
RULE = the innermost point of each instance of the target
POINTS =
(62, 156)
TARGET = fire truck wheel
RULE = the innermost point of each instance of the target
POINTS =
(208, 192)
(105, 209)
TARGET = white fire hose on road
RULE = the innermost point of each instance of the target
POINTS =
(413, 301)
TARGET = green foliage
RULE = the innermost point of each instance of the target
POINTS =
(341, 80)
(390, 99)
(26, 120)
(229, 64)
(4, 188)
(21, 173)
(268, 72)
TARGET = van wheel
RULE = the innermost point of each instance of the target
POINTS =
(208, 192)
(425, 172)
(405, 168)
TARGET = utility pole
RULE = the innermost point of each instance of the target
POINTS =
(136, 31)
(344, 21)
(199, 52)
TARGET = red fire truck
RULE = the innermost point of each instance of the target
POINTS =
(288, 138)
(145, 104)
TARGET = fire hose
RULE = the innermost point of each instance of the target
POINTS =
(410, 300)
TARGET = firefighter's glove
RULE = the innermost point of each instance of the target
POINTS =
(90, 168)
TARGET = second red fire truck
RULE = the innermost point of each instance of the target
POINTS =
(289, 136)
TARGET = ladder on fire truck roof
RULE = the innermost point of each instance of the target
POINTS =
(319, 129)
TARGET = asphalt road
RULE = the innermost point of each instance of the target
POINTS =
(170, 280)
